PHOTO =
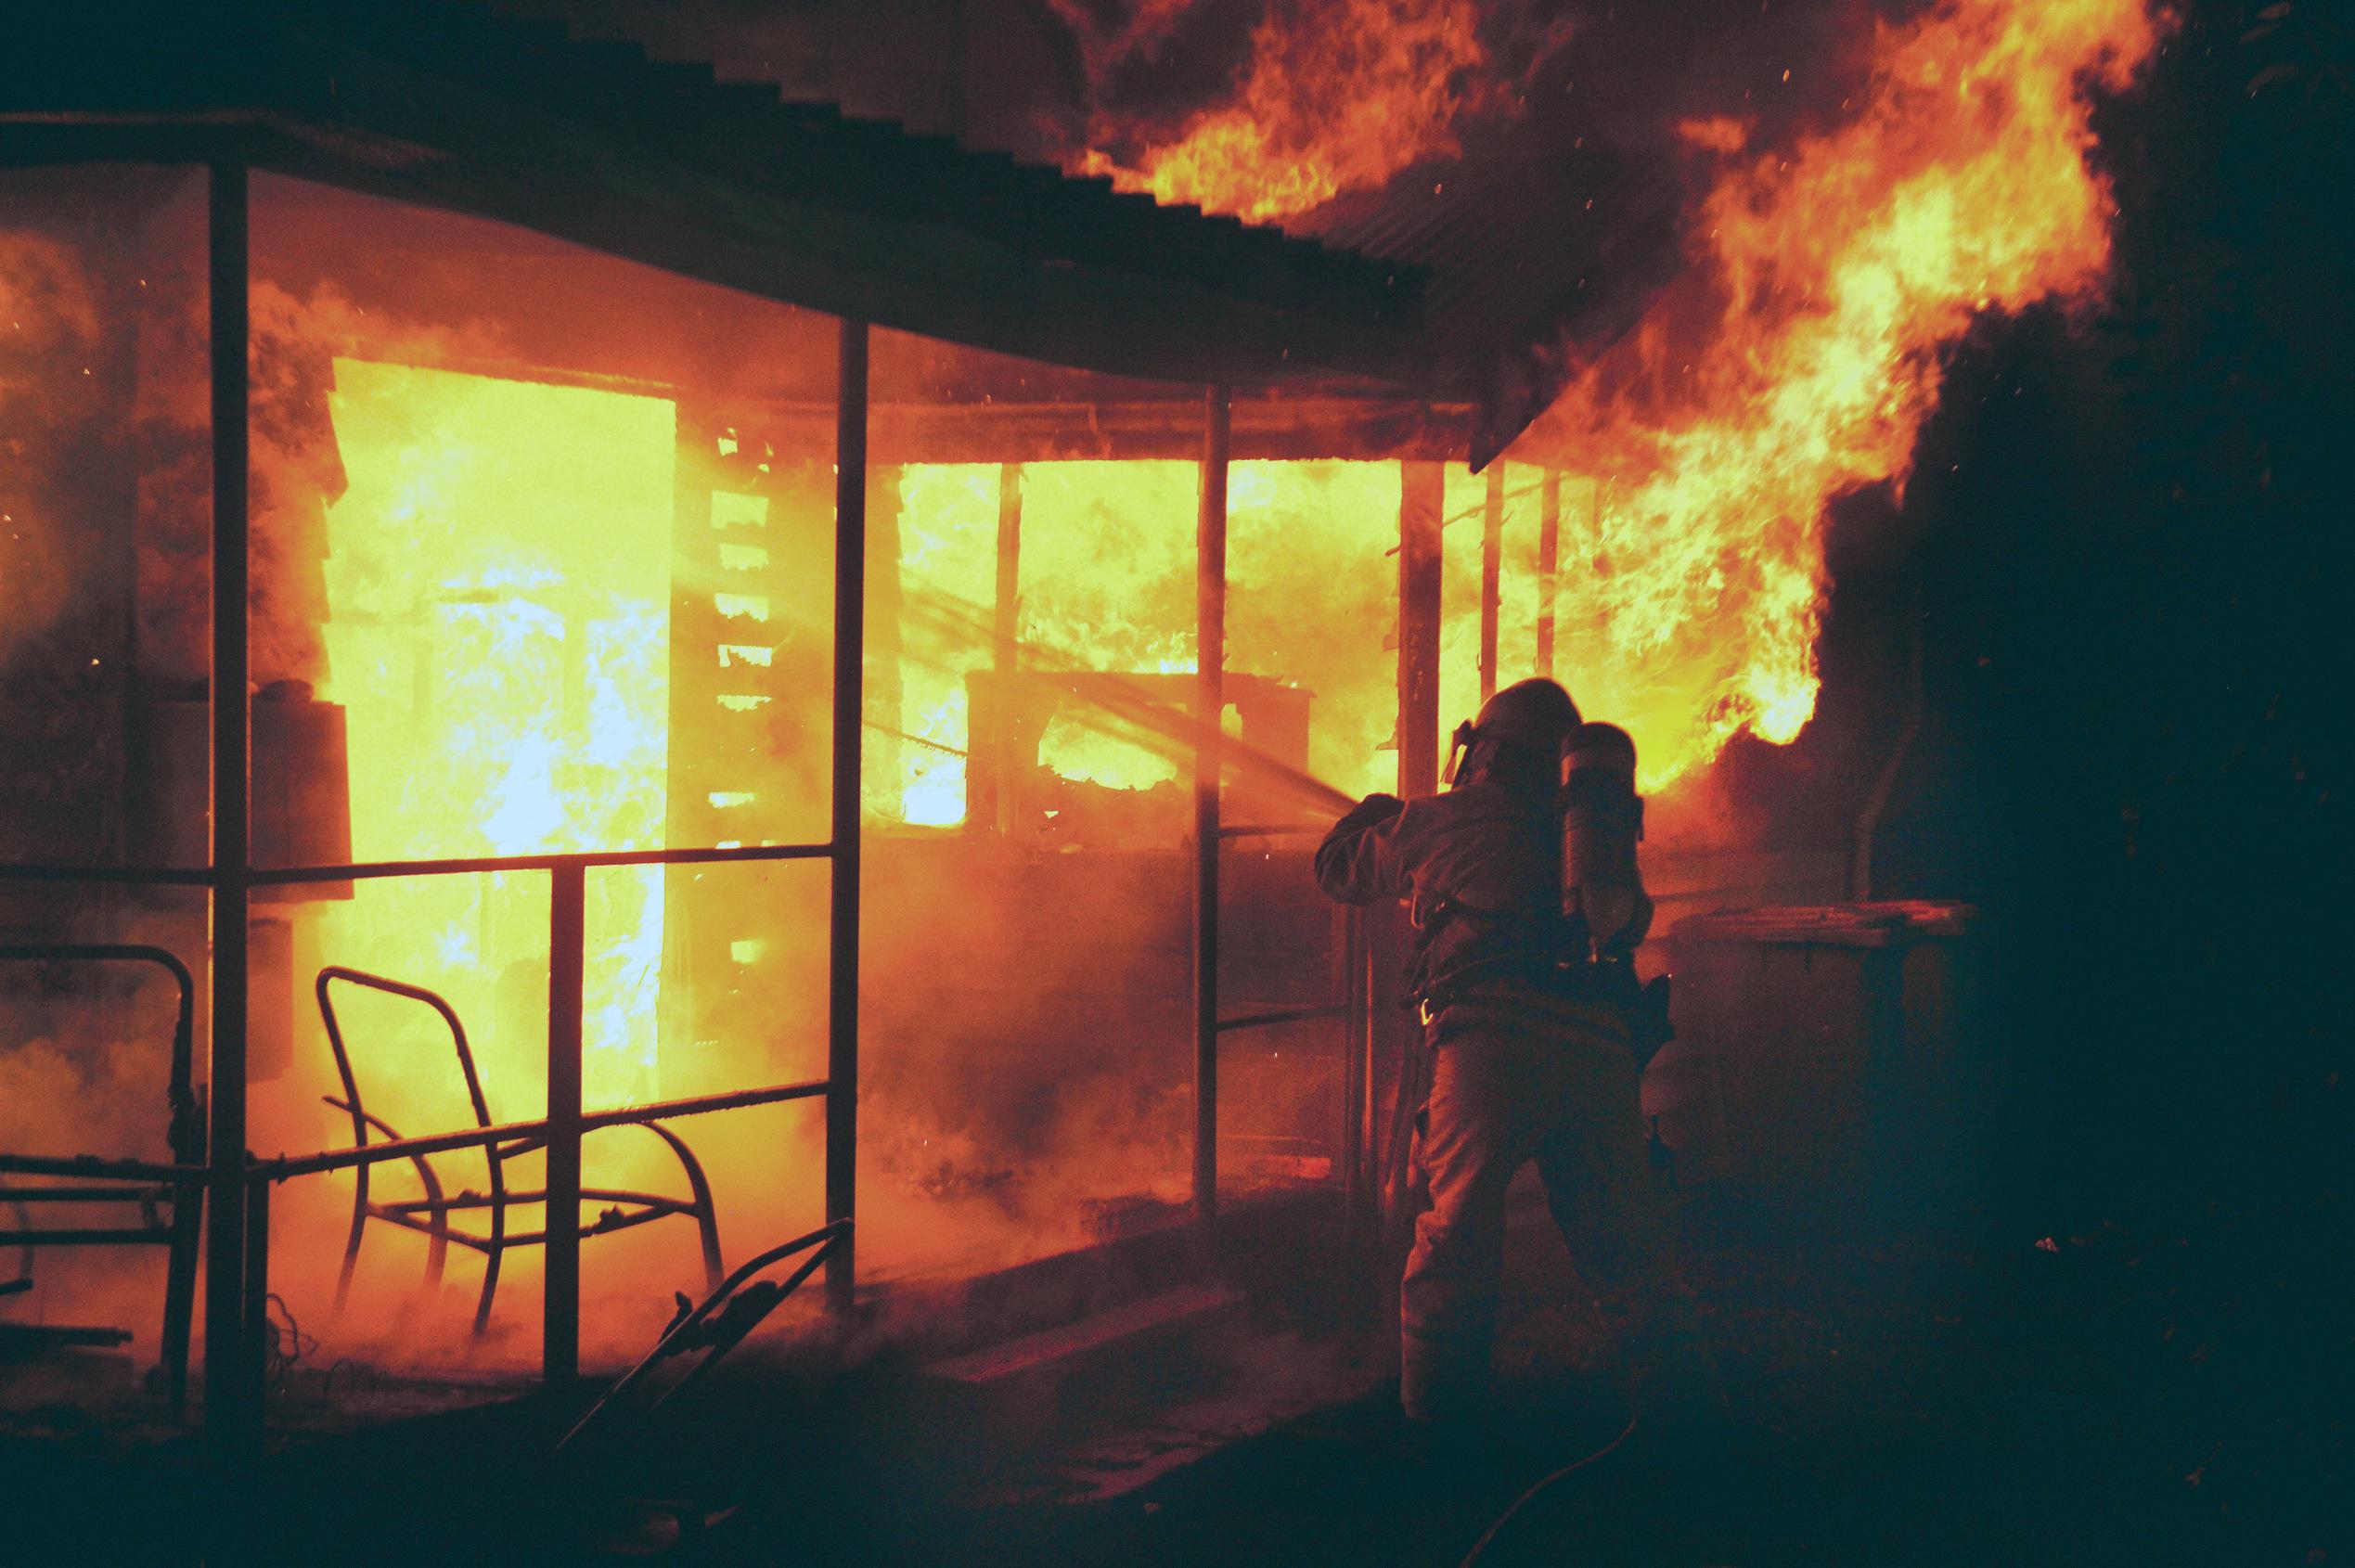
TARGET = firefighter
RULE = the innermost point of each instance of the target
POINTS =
(1531, 1032)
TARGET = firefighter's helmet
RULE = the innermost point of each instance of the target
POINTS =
(1535, 712)
(1532, 713)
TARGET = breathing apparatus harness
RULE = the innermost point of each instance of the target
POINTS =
(1580, 946)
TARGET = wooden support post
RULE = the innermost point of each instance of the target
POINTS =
(1210, 707)
(232, 1375)
(1491, 569)
(567, 969)
(850, 642)
(1007, 768)
(886, 776)
(1548, 567)
(1419, 497)
(1009, 566)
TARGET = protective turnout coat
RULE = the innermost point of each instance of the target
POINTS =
(1480, 866)
(1523, 1066)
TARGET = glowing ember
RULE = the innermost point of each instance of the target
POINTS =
(1799, 359)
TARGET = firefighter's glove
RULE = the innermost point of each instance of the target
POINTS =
(1372, 812)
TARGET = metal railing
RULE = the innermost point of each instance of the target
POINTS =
(562, 1128)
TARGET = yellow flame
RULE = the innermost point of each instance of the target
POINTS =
(499, 633)
(1801, 360)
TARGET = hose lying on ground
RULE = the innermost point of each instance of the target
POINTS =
(1522, 1501)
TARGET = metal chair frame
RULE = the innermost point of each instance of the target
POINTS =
(431, 1214)
(178, 1230)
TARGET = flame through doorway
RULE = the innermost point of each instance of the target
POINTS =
(498, 592)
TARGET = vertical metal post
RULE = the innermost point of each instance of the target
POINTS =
(1420, 495)
(233, 1378)
(257, 1275)
(1352, 1142)
(1548, 567)
(1210, 709)
(561, 1296)
(850, 653)
(1491, 566)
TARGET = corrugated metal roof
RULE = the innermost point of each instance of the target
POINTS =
(515, 117)
(1525, 257)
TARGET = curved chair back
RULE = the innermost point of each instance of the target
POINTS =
(362, 1123)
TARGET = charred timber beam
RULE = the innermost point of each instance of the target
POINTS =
(1210, 706)
(233, 1376)
(1271, 429)
(850, 648)
(1009, 566)
(1491, 566)
(1548, 566)
(991, 806)
(1420, 494)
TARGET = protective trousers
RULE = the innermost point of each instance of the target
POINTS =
(1556, 1083)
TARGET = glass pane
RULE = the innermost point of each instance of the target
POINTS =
(105, 623)
(1027, 1057)
(553, 540)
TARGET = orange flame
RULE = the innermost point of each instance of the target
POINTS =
(1798, 362)
(1338, 99)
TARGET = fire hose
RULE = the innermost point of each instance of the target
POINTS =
(719, 1323)
(1495, 1529)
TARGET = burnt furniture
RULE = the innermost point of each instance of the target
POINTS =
(169, 1214)
(431, 1214)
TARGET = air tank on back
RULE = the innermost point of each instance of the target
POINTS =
(1601, 823)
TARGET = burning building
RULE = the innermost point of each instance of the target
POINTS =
(805, 652)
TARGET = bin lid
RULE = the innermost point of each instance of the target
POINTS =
(1831, 925)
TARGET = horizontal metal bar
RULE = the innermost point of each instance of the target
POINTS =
(1283, 1015)
(139, 876)
(83, 1194)
(467, 1201)
(286, 1167)
(708, 857)
(89, 1165)
(65, 1333)
(162, 1236)
(697, 1105)
(1274, 829)
(426, 1227)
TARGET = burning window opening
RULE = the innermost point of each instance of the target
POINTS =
(498, 634)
